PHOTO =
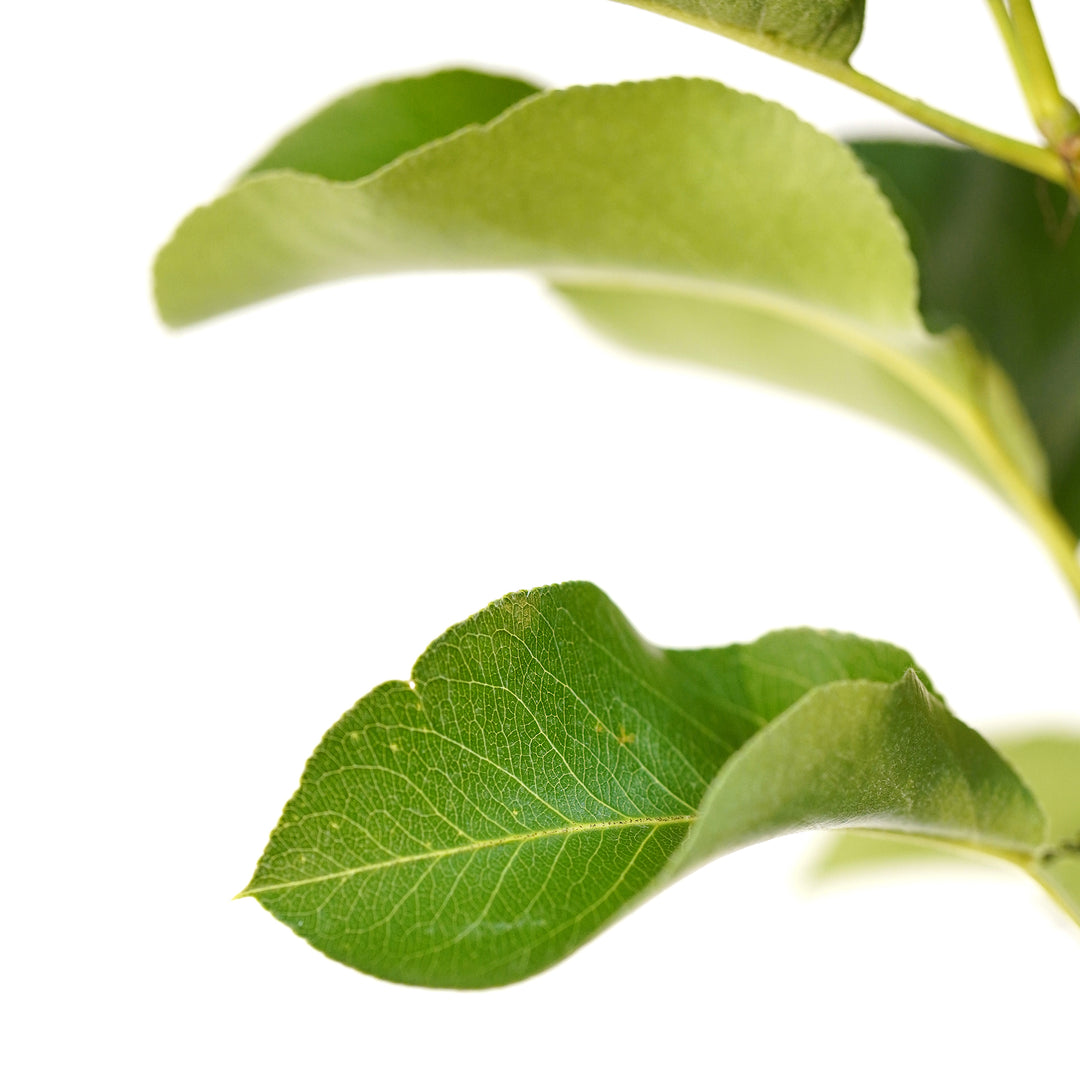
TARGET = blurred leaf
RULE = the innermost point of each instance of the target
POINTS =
(679, 216)
(546, 769)
(369, 128)
(829, 27)
(999, 253)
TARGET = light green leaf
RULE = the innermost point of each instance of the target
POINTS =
(999, 254)
(546, 769)
(680, 216)
(1050, 763)
(369, 128)
(829, 27)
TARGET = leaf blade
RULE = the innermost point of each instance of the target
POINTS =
(998, 255)
(536, 781)
(361, 132)
(830, 28)
(850, 732)
(534, 189)
(677, 192)
(1050, 765)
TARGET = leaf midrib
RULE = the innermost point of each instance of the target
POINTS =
(476, 845)
(969, 422)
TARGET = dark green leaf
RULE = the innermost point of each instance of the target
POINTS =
(999, 253)
(829, 27)
(546, 768)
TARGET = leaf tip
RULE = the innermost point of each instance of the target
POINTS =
(912, 686)
(249, 889)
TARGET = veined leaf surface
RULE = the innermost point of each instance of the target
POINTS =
(999, 254)
(546, 768)
(831, 28)
(672, 215)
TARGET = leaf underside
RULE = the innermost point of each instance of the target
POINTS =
(669, 214)
(546, 769)
(831, 28)
(1050, 763)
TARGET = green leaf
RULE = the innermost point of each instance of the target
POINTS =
(830, 28)
(1050, 764)
(999, 253)
(546, 769)
(678, 215)
(369, 128)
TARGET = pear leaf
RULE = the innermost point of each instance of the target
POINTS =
(546, 768)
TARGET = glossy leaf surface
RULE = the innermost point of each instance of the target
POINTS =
(829, 27)
(1050, 764)
(999, 253)
(669, 213)
(546, 768)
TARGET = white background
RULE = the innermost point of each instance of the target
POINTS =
(213, 542)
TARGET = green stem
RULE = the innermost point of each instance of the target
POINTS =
(1044, 96)
(1035, 159)
(1008, 35)
(1057, 117)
